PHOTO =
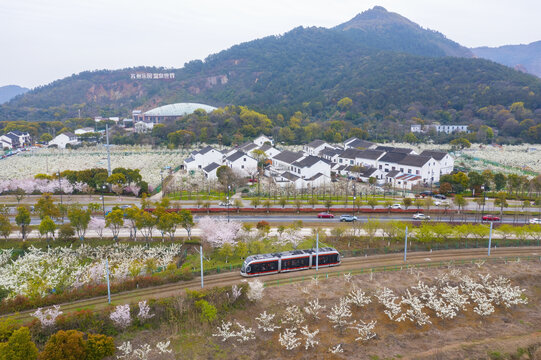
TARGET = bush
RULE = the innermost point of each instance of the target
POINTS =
(64, 345)
(99, 346)
(66, 232)
(208, 311)
(19, 346)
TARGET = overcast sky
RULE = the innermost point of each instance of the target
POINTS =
(44, 40)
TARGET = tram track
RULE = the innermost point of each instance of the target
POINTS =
(232, 278)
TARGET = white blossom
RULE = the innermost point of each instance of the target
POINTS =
(364, 330)
(309, 341)
(235, 292)
(340, 314)
(255, 290)
(293, 315)
(48, 317)
(264, 322)
(121, 316)
(144, 311)
(313, 308)
(163, 347)
(289, 339)
(245, 333)
(336, 349)
(225, 331)
(415, 311)
(358, 297)
(393, 308)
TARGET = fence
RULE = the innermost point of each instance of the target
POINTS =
(426, 265)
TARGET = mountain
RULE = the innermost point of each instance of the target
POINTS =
(381, 29)
(521, 57)
(379, 59)
(10, 91)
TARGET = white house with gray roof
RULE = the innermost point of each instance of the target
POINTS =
(199, 159)
(242, 163)
(315, 147)
(64, 139)
(310, 166)
(285, 159)
(210, 171)
(446, 161)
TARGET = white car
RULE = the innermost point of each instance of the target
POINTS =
(225, 203)
(535, 221)
(440, 203)
(420, 216)
(396, 206)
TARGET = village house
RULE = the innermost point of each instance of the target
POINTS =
(64, 139)
(199, 159)
(446, 161)
(315, 147)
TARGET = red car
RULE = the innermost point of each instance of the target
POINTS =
(490, 218)
(325, 216)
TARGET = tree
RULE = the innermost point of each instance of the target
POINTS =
(64, 345)
(114, 221)
(46, 207)
(372, 202)
(344, 104)
(45, 138)
(19, 346)
(97, 224)
(406, 202)
(255, 202)
(117, 179)
(499, 181)
(218, 232)
(460, 202)
(501, 201)
(19, 195)
(460, 143)
(167, 223)
(79, 219)
(146, 222)
(5, 226)
(46, 227)
(132, 214)
(23, 220)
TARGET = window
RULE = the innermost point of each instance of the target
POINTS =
(394, 168)
(401, 169)
(409, 171)
(263, 267)
(242, 166)
(417, 172)
(295, 263)
(380, 167)
(244, 159)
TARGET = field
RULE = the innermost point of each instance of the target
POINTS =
(149, 161)
(507, 332)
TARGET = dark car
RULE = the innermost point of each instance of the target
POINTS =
(325, 216)
(348, 218)
(439, 196)
(491, 218)
(426, 193)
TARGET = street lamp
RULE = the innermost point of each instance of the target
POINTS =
(60, 189)
(227, 201)
(484, 201)
(103, 187)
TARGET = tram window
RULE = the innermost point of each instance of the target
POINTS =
(295, 263)
(322, 259)
(265, 266)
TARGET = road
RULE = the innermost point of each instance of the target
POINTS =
(348, 265)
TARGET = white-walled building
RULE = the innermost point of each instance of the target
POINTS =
(199, 159)
(242, 163)
(446, 161)
(64, 139)
(143, 127)
(356, 143)
(269, 150)
(315, 147)
(285, 159)
(15, 139)
(82, 131)
(309, 166)
(401, 181)
(210, 171)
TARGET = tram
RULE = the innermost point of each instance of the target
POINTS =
(266, 264)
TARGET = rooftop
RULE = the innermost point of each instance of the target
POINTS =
(288, 156)
(414, 160)
(394, 149)
(178, 109)
(437, 155)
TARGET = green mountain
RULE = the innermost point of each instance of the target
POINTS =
(522, 57)
(381, 60)
(381, 29)
(10, 91)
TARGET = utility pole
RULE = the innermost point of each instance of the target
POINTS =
(108, 151)
(108, 285)
(317, 251)
(490, 239)
(201, 255)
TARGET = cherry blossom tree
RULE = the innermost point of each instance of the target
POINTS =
(265, 322)
(47, 317)
(310, 340)
(255, 290)
(289, 340)
(97, 224)
(121, 316)
(144, 311)
(340, 314)
(218, 232)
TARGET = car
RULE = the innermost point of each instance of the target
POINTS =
(348, 218)
(325, 216)
(396, 206)
(426, 193)
(440, 203)
(491, 218)
(124, 206)
(420, 216)
(439, 196)
(225, 203)
(535, 221)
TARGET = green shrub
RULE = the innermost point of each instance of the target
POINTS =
(208, 311)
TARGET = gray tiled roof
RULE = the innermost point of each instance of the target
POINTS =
(414, 160)
(205, 150)
(371, 154)
(308, 161)
(394, 149)
(350, 154)
(357, 143)
(392, 157)
(290, 176)
(288, 156)
(211, 167)
(235, 156)
(438, 155)
(315, 143)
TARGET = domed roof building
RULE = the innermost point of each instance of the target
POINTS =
(170, 111)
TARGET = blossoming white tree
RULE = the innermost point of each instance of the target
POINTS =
(309, 341)
(289, 340)
(47, 317)
(340, 314)
(265, 322)
(255, 290)
(293, 315)
(364, 330)
(121, 316)
(313, 308)
(218, 232)
(144, 311)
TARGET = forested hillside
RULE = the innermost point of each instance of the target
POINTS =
(395, 71)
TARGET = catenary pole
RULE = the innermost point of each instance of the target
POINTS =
(108, 284)
(317, 252)
(490, 239)
(406, 245)
(201, 255)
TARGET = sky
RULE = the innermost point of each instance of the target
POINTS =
(45, 40)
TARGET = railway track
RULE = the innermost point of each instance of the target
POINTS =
(348, 264)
